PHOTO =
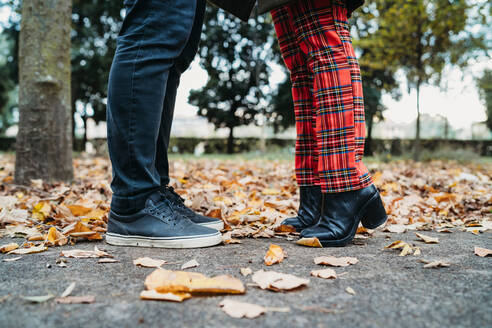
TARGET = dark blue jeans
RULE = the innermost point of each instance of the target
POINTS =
(157, 42)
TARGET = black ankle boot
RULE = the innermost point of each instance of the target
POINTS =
(309, 208)
(341, 214)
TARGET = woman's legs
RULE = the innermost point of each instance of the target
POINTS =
(321, 30)
(306, 160)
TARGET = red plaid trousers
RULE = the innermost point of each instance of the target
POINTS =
(316, 46)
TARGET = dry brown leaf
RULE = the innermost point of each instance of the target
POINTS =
(310, 242)
(156, 296)
(396, 244)
(324, 273)
(275, 254)
(237, 309)
(246, 271)
(437, 264)
(427, 239)
(78, 210)
(75, 300)
(78, 229)
(8, 247)
(148, 262)
(350, 290)
(285, 229)
(395, 228)
(407, 249)
(41, 211)
(30, 250)
(164, 281)
(335, 261)
(277, 281)
(227, 239)
(190, 264)
(80, 253)
(482, 252)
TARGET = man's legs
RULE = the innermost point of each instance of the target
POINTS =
(181, 64)
(153, 35)
(152, 39)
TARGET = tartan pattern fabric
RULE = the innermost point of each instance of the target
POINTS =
(316, 47)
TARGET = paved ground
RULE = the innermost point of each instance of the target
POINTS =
(392, 291)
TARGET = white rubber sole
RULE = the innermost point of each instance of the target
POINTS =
(219, 225)
(165, 242)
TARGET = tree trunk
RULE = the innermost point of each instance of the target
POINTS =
(230, 141)
(368, 143)
(44, 140)
(416, 145)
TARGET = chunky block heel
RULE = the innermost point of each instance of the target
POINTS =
(373, 214)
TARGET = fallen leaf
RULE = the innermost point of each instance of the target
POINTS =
(30, 250)
(324, 273)
(238, 309)
(148, 262)
(335, 261)
(283, 228)
(227, 239)
(55, 238)
(12, 259)
(275, 254)
(482, 252)
(107, 260)
(164, 281)
(350, 290)
(396, 244)
(79, 229)
(246, 271)
(190, 264)
(41, 211)
(8, 247)
(78, 210)
(277, 281)
(270, 192)
(407, 249)
(80, 253)
(310, 242)
(37, 299)
(395, 228)
(417, 251)
(437, 264)
(427, 239)
(173, 297)
(69, 290)
(75, 300)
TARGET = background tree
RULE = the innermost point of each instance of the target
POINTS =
(95, 27)
(235, 55)
(421, 37)
(44, 148)
(485, 90)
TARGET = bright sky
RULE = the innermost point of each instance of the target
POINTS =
(459, 101)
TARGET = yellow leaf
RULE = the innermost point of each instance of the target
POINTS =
(41, 211)
(166, 281)
(270, 192)
(275, 254)
(79, 210)
(156, 296)
(55, 238)
(8, 247)
(310, 242)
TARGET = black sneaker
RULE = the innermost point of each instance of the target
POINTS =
(178, 202)
(158, 225)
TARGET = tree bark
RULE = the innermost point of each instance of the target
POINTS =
(230, 141)
(44, 140)
(416, 149)
(368, 143)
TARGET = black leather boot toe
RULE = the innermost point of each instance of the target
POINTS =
(309, 208)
